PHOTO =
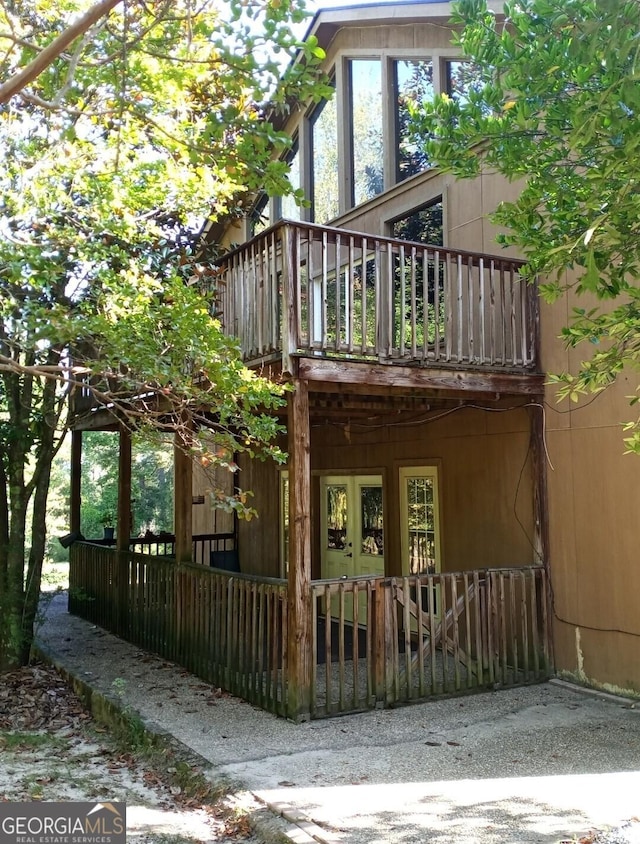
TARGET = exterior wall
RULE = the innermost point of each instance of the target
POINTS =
(208, 519)
(259, 538)
(593, 488)
(480, 457)
(594, 501)
(485, 487)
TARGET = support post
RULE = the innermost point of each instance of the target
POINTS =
(183, 494)
(299, 598)
(541, 513)
(75, 497)
(123, 529)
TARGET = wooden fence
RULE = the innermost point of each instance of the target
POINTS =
(230, 630)
(299, 288)
(417, 637)
(377, 641)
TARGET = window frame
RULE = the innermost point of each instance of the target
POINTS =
(425, 470)
(339, 73)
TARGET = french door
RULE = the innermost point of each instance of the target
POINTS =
(352, 527)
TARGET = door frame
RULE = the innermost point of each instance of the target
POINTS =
(354, 480)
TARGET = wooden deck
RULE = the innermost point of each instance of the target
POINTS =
(376, 641)
(304, 290)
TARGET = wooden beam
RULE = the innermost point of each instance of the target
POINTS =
(372, 378)
(299, 599)
(75, 497)
(123, 528)
(96, 420)
(123, 531)
(183, 495)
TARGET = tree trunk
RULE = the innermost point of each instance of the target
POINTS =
(40, 485)
(34, 409)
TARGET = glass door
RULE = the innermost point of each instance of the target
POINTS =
(352, 531)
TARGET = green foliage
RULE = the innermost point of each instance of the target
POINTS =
(559, 107)
(157, 118)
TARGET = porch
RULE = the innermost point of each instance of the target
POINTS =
(376, 641)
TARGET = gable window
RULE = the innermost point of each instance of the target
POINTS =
(413, 83)
(350, 148)
(367, 155)
(324, 155)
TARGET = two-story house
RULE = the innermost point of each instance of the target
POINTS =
(440, 526)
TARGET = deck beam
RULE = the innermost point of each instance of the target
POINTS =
(379, 379)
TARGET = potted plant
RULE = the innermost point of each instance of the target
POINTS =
(107, 522)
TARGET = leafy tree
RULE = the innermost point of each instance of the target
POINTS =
(559, 107)
(125, 139)
(151, 483)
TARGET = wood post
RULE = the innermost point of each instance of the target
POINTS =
(299, 604)
(541, 508)
(123, 530)
(75, 497)
(183, 494)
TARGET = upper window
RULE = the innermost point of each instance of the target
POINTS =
(367, 154)
(413, 84)
(462, 78)
(324, 155)
(290, 209)
(260, 218)
(357, 144)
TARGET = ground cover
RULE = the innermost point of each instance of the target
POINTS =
(52, 749)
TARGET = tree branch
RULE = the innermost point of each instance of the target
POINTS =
(21, 79)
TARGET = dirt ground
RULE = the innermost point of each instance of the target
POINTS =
(51, 749)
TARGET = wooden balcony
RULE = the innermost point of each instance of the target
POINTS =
(301, 290)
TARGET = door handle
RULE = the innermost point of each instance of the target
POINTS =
(349, 555)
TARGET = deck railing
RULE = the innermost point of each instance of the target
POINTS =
(377, 641)
(303, 289)
(230, 630)
(205, 546)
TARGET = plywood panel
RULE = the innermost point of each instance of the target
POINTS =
(259, 539)
(594, 503)
(207, 518)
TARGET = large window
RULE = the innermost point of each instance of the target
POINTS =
(413, 82)
(357, 144)
(290, 209)
(462, 78)
(324, 155)
(367, 154)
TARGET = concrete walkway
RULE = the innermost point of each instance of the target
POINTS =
(538, 764)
